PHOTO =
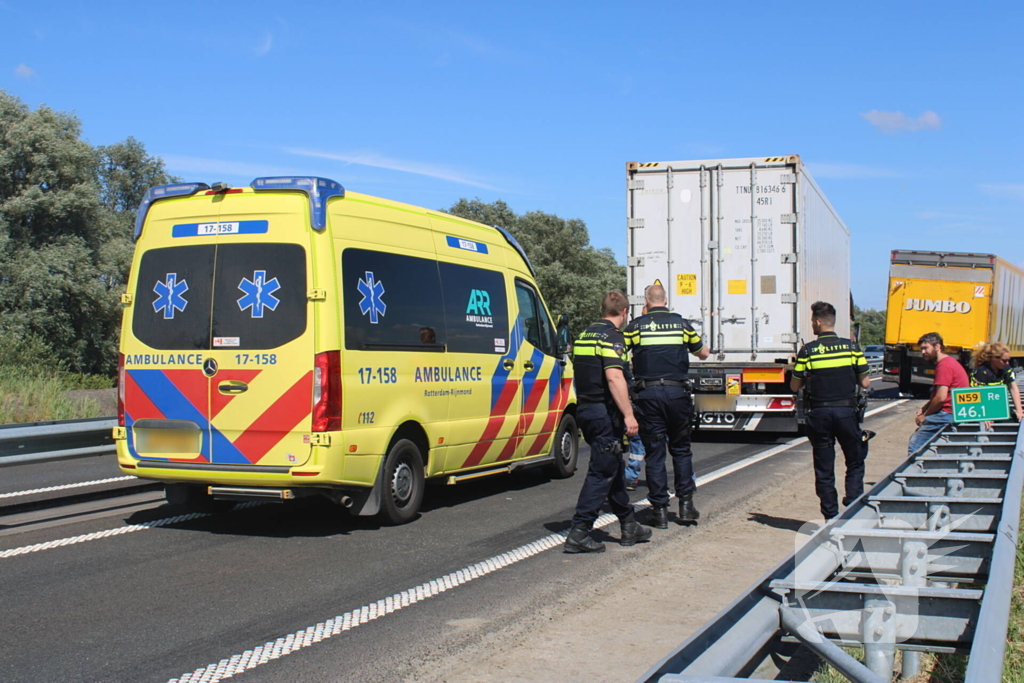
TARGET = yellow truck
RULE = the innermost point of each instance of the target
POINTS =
(967, 298)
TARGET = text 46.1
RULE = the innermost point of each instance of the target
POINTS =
(256, 358)
(378, 375)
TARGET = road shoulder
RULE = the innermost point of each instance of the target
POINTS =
(617, 628)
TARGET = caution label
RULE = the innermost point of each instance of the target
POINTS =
(737, 286)
(686, 284)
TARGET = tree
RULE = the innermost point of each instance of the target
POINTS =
(65, 233)
(572, 274)
(872, 325)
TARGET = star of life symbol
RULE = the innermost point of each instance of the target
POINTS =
(259, 293)
(372, 291)
(169, 296)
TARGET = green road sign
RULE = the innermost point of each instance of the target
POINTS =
(980, 404)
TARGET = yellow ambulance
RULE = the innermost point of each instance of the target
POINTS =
(291, 338)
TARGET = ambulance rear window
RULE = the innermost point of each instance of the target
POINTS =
(257, 302)
(173, 297)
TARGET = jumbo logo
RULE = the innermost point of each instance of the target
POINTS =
(479, 302)
(938, 306)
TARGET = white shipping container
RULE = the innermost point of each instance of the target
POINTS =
(743, 248)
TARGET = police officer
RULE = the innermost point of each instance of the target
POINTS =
(604, 415)
(832, 368)
(660, 342)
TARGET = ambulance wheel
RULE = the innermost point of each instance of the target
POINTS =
(194, 498)
(565, 449)
(403, 483)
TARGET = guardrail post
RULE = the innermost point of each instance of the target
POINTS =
(914, 572)
(878, 633)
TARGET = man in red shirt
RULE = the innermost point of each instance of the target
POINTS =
(933, 417)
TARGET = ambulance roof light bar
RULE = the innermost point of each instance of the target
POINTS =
(164, 192)
(318, 190)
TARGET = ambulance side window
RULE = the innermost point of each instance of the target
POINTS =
(392, 302)
(536, 323)
(476, 309)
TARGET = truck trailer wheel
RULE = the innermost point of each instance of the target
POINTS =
(565, 448)
(403, 483)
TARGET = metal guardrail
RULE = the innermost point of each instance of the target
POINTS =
(880, 575)
(875, 365)
(21, 444)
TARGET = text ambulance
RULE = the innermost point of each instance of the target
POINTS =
(291, 338)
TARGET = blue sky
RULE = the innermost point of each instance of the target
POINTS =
(907, 113)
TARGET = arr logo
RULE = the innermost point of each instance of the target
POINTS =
(479, 303)
(938, 306)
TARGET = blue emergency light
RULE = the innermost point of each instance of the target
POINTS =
(318, 190)
(164, 192)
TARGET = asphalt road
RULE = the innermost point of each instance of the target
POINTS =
(152, 603)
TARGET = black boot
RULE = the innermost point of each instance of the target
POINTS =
(687, 512)
(579, 541)
(659, 517)
(632, 533)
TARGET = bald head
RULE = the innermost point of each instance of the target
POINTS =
(655, 296)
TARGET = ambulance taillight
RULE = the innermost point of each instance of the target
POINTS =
(327, 392)
(120, 390)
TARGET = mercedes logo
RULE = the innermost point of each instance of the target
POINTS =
(209, 367)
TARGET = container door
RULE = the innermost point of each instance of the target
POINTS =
(753, 267)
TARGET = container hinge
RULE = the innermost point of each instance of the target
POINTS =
(317, 295)
(634, 261)
(127, 299)
(789, 298)
(787, 218)
(789, 338)
(317, 439)
(788, 178)
(789, 258)
(634, 223)
(636, 299)
(636, 184)
(120, 433)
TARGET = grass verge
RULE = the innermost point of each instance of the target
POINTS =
(36, 396)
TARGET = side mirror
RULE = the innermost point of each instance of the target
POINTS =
(564, 341)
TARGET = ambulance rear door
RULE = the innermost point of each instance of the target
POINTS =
(262, 337)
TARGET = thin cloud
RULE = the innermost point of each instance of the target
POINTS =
(898, 122)
(212, 170)
(379, 161)
(1011, 190)
(264, 47)
(25, 72)
(843, 171)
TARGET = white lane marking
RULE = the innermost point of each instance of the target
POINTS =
(286, 645)
(117, 531)
(127, 529)
(64, 487)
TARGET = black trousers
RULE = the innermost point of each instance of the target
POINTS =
(665, 412)
(603, 429)
(825, 426)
